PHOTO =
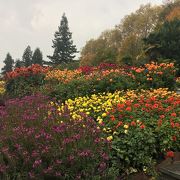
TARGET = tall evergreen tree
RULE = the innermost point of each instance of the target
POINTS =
(64, 49)
(27, 56)
(8, 64)
(37, 57)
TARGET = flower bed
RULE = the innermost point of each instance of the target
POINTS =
(142, 125)
(89, 80)
(98, 125)
(36, 142)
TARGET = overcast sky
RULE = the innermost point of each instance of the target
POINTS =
(33, 22)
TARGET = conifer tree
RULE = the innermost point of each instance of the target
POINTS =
(37, 57)
(8, 64)
(27, 57)
(64, 49)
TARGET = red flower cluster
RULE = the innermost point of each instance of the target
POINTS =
(169, 154)
(102, 66)
(27, 71)
(86, 69)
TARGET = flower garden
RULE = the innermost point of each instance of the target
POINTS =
(104, 122)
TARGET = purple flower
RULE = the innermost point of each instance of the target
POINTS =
(2, 168)
(102, 166)
(37, 163)
(17, 146)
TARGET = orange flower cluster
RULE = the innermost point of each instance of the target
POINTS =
(150, 73)
(99, 75)
(156, 93)
(64, 76)
(27, 71)
(154, 66)
(152, 70)
(138, 70)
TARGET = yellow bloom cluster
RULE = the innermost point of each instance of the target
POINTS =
(2, 88)
(96, 106)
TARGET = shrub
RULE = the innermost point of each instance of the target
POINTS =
(25, 80)
(154, 75)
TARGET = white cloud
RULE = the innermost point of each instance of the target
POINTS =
(33, 22)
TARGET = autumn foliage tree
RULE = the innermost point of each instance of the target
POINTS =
(125, 40)
(103, 49)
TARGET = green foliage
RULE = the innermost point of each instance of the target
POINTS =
(18, 63)
(112, 82)
(134, 150)
(127, 59)
(64, 49)
(8, 64)
(37, 57)
(62, 91)
(23, 86)
(165, 43)
(70, 66)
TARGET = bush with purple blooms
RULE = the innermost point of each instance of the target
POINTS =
(39, 142)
